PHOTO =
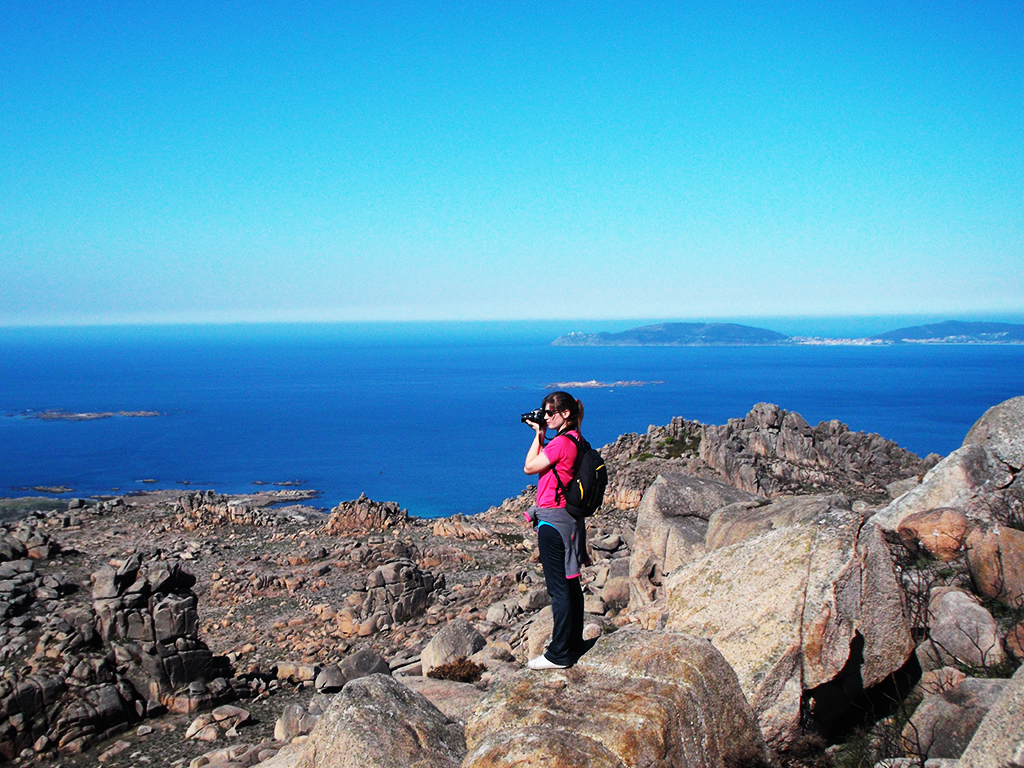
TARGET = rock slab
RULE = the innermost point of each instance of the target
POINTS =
(637, 699)
(785, 609)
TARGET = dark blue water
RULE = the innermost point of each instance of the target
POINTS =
(425, 415)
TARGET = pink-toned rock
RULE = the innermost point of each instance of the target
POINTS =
(965, 478)
(671, 526)
(940, 532)
(376, 722)
(943, 724)
(961, 630)
(455, 700)
(637, 699)
(1015, 641)
(457, 527)
(786, 607)
(1001, 430)
(996, 559)
(362, 516)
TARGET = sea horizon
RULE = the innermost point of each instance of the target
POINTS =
(427, 414)
(829, 326)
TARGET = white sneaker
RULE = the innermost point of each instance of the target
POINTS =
(542, 662)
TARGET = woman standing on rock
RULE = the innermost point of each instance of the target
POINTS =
(561, 537)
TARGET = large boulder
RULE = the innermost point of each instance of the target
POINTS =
(795, 609)
(944, 723)
(457, 639)
(376, 722)
(966, 479)
(1001, 430)
(671, 526)
(961, 631)
(999, 739)
(995, 555)
(360, 664)
(942, 533)
(637, 699)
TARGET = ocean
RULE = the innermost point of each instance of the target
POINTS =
(426, 415)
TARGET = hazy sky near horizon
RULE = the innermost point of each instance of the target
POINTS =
(177, 162)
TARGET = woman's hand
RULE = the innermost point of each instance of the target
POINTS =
(540, 429)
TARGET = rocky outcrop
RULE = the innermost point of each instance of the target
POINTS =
(376, 722)
(634, 460)
(796, 609)
(393, 593)
(671, 528)
(770, 452)
(737, 523)
(636, 699)
(773, 452)
(97, 669)
(206, 508)
(147, 612)
(458, 527)
(363, 516)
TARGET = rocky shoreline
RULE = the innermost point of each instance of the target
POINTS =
(824, 566)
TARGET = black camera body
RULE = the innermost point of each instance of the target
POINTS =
(536, 416)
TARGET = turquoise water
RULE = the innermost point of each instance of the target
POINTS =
(426, 415)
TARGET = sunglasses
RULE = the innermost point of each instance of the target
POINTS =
(548, 413)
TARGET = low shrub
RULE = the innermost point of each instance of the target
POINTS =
(461, 671)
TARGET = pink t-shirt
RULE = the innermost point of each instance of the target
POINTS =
(561, 452)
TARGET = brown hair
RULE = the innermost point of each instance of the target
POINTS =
(563, 401)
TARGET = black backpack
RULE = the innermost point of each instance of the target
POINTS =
(585, 493)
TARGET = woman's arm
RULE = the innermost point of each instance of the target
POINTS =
(536, 461)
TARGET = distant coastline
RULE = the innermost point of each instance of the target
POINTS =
(732, 334)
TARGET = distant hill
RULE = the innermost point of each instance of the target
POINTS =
(676, 335)
(956, 331)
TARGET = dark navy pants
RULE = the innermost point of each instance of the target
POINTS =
(566, 599)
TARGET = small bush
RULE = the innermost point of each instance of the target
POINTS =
(461, 671)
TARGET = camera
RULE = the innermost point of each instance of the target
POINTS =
(536, 416)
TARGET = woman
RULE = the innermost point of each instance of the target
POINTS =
(561, 538)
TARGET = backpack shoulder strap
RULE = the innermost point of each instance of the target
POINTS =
(575, 464)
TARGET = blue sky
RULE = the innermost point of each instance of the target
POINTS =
(208, 162)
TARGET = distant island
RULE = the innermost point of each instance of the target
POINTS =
(595, 384)
(676, 335)
(58, 415)
(958, 332)
(734, 335)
